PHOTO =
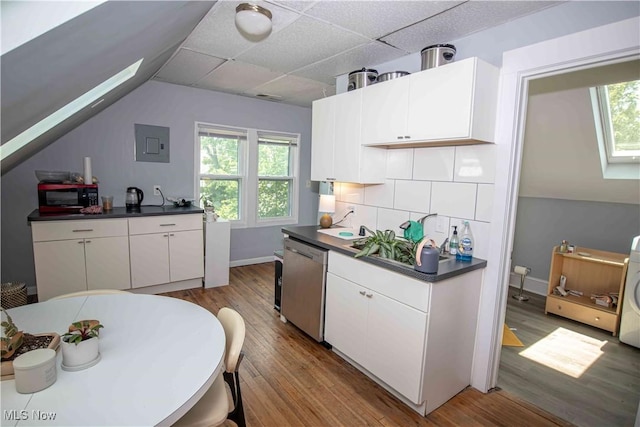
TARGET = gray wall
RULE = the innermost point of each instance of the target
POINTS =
(543, 223)
(108, 138)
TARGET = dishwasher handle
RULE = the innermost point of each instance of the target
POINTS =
(313, 253)
(295, 251)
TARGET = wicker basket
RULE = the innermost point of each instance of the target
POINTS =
(14, 294)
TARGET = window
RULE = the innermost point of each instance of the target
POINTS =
(616, 110)
(250, 176)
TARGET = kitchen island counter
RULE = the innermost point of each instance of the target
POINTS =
(117, 212)
(446, 269)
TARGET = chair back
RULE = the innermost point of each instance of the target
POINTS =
(234, 331)
(88, 293)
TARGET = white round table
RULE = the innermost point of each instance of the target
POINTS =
(159, 356)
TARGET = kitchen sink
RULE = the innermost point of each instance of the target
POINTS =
(441, 258)
(341, 233)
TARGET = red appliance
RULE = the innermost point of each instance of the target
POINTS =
(66, 197)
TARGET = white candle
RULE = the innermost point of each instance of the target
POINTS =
(88, 176)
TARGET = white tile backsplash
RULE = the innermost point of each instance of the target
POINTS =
(412, 195)
(400, 163)
(389, 219)
(481, 232)
(380, 194)
(364, 215)
(433, 164)
(453, 199)
(484, 204)
(475, 163)
(349, 193)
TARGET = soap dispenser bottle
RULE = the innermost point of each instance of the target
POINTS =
(465, 248)
(453, 241)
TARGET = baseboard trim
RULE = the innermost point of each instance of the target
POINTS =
(531, 284)
(250, 261)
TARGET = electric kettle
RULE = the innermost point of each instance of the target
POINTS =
(133, 198)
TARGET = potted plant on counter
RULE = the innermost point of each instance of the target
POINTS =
(81, 346)
(16, 342)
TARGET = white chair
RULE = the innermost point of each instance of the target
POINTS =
(88, 293)
(220, 403)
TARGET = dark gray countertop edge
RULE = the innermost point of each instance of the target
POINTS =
(117, 212)
(446, 269)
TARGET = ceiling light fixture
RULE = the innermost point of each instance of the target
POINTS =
(253, 21)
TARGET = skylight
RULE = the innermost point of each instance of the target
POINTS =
(616, 109)
(68, 110)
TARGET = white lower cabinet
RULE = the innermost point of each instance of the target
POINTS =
(72, 256)
(416, 338)
(165, 249)
(384, 336)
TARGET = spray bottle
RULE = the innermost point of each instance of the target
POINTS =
(453, 242)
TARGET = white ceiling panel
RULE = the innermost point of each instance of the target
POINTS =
(187, 67)
(297, 5)
(288, 86)
(305, 99)
(362, 56)
(217, 34)
(382, 17)
(462, 20)
(304, 42)
(237, 76)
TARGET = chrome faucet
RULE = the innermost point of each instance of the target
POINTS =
(406, 224)
(443, 246)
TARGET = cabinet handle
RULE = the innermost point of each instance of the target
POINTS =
(171, 234)
(331, 179)
(559, 307)
(81, 242)
(82, 231)
(87, 241)
(167, 225)
(597, 319)
(400, 137)
(165, 235)
(369, 295)
(362, 292)
(407, 137)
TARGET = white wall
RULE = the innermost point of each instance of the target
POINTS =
(427, 180)
(108, 138)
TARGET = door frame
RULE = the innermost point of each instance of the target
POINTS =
(612, 43)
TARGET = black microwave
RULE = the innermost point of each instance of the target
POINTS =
(66, 197)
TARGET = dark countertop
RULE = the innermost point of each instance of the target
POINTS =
(446, 269)
(117, 212)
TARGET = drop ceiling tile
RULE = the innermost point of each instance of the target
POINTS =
(237, 76)
(377, 18)
(187, 67)
(302, 43)
(305, 99)
(461, 21)
(297, 5)
(362, 56)
(290, 87)
(217, 34)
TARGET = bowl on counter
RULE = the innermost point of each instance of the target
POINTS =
(53, 176)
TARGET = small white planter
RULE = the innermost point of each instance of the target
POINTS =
(76, 357)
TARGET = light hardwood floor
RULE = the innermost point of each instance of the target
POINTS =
(288, 379)
(605, 394)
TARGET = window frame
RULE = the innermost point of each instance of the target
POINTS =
(249, 178)
(613, 167)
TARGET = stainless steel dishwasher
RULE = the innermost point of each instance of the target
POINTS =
(303, 287)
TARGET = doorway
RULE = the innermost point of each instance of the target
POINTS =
(581, 50)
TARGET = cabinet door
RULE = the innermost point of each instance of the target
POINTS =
(107, 261)
(440, 102)
(384, 111)
(149, 259)
(186, 255)
(396, 335)
(346, 157)
(345, 317)
(60, 267)
(322, 136)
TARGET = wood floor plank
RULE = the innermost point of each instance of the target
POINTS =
(288, 379)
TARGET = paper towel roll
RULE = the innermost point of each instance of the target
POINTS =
(521, 270)
(88, 175)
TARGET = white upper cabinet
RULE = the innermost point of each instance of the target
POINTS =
(336, 151)
(449, 105)
(384, 111)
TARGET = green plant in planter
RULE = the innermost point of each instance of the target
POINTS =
(12, 338)
(385, 244)
(82, 331)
